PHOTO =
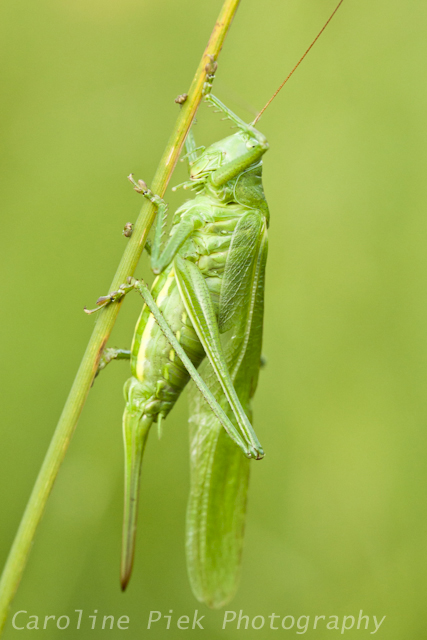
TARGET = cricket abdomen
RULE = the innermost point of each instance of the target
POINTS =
(158, 375)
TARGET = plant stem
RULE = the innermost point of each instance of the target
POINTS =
(20, 550)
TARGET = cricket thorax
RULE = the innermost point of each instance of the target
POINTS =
(244, 186)
(219, 154)
(160, 373)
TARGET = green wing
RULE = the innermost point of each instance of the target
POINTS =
(219, 472)
(238, 274)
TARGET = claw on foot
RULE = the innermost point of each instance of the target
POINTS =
(140, 186)
(210, 69)
(181, 99)
(110, 354)
(114, 296)
(128, 229)
(211, 66)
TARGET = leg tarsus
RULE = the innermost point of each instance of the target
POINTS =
(142, 188)
(210, 69)
(181, 99)
(111, 353)
(114, 296)
(128, 229)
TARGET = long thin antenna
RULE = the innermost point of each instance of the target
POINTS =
(298, 63)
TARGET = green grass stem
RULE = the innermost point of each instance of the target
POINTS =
(20, 550)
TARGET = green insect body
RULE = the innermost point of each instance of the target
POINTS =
(205, 313)
(203, 320)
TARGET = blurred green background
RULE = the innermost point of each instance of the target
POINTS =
(337, 513)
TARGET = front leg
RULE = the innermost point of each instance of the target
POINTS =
(160, 259)
(162, 212)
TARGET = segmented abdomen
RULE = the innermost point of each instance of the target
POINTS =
(158, 375)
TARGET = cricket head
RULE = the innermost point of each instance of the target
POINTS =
(221, 153)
